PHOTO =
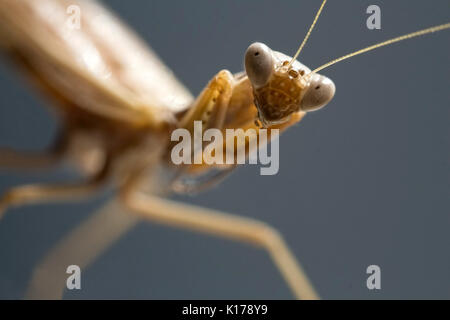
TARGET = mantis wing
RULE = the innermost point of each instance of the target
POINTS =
(85, 57)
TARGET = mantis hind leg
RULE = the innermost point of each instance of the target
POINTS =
(23, 160)
(101, 230)
(229, 226)
(38, 193)
(81, 247)
(220, 224)
(94, 236)
(12, 159)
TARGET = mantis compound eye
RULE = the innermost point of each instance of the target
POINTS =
(320, 91)
(259, 64)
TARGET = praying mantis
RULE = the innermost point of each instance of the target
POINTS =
(260, 232)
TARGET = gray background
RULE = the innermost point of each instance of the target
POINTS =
(363, 181)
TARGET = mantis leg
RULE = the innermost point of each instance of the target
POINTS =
(229, 226)
(12, 159)
(211, 109)
(81, 247)
(84, 245)
(100, 231)
(36, 193)
(212, 104)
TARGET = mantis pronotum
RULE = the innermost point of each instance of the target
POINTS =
(297, 282)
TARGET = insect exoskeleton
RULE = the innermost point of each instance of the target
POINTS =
(282, 88)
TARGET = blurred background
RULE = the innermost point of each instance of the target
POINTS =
(363, 181)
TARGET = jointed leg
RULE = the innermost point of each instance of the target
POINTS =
(11, 159)
(23, 160)
(80, 247)
(91, 238)
(210, 108)
(212, 104)
(35, 193)
(200, 185)
(226, 225)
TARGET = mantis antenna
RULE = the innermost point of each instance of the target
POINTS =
(307, 34)
(382, 44)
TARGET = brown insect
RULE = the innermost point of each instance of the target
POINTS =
(120, 104)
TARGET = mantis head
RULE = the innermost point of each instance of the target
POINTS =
(282, 87)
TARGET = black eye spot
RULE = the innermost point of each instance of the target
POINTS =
(317, 88)
(256, 53)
